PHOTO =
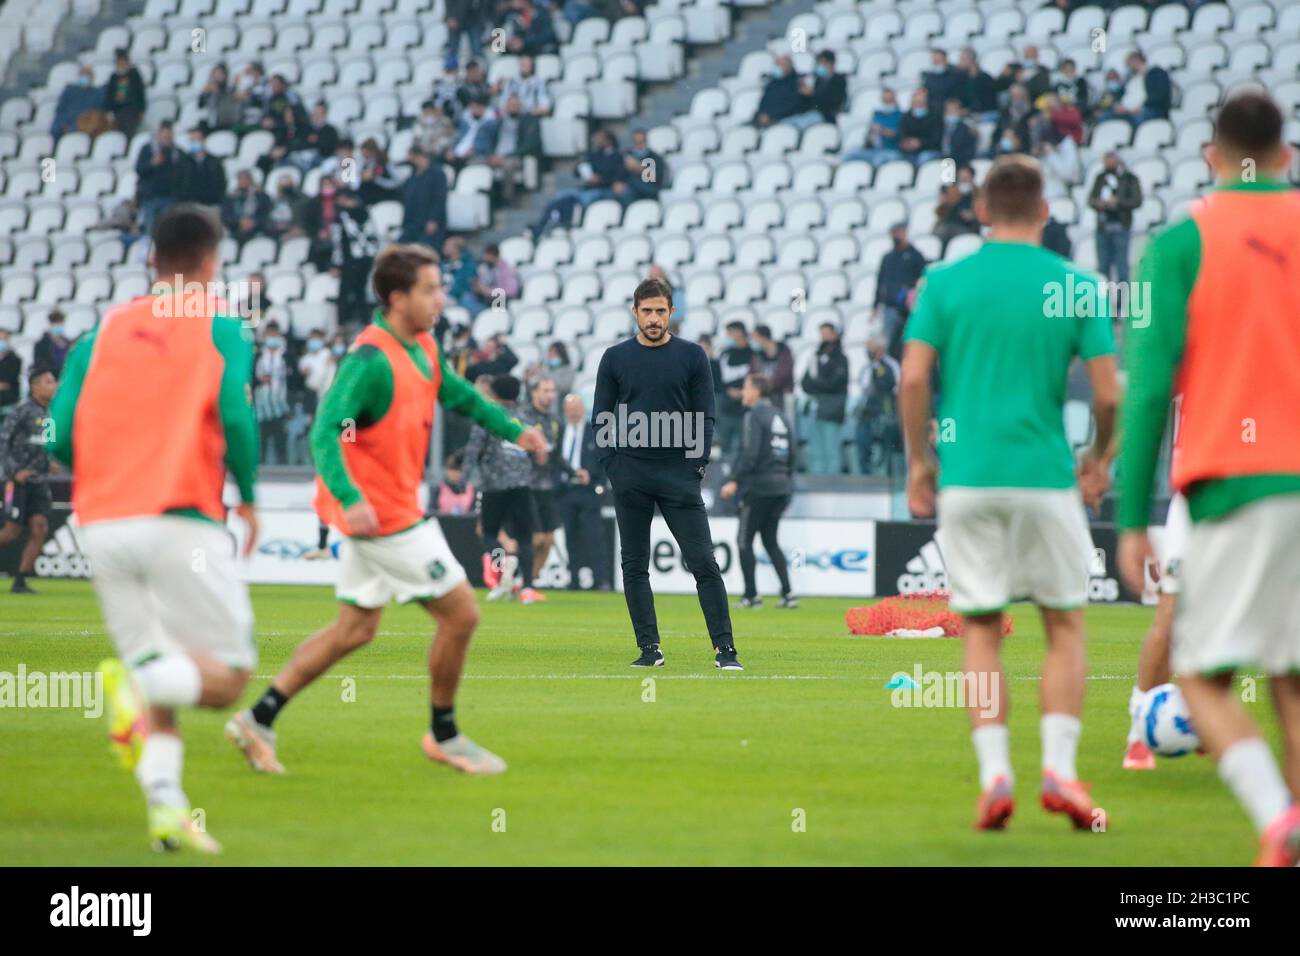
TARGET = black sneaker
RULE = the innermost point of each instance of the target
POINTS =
(789, 601)
(750, 602)
(21, 587)
(650, 657)
(726, 659)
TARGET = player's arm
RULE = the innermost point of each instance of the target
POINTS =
(923, 336)
(361, 393)
(234, 405)
(703, 400)
(458, 395)
(63, 408)
(602, 404)
(1153, 351)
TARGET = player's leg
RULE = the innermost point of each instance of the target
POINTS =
(499, 565)
(457, 615)
(544, 525)
(1286, 701)
(1153, 658)
(521, 516)
(767, 530)
(38, 526)
(362, 592)
(683, 510)
(973, 536)
(1240, 594)
(1065, 675)
(745, 531)
(633, 511)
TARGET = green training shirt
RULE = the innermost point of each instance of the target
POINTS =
(362, 392)
(1007, 321)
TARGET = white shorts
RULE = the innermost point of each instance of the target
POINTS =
(170, 584)
(1005, 544)
(1173, 544)
(412, 565)
(1240, 603)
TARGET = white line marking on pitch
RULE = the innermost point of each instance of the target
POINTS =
(637, 677)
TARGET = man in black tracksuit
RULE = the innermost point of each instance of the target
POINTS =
(653, 416)
(764, 479)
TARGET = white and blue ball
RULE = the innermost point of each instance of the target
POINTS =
(1166, 722)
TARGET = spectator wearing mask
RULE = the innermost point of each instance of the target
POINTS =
(288, 209)
(318, 215)
(1110, 104)
(826, 383)
(560, 368)
(775, 362)
(124, 95)
(221, 108)
(207, 174)
(11, 370)
(355, 244)
(424, 201)
(646, 171)
(979, 92)
(271, 395)
(877, 433)
(317, 366)
(435, 133)
(920, 132)
(943, 81)
(343, 166)
(495, 280)
(79, 96)
(958, 139)
(736, 361)
(1115, 194)
(1033, 74)
(825, 94)
(246, 209)
(881, 144)
(161, 174)
(476, 135)
(1016, 116)
(467, 19)
(781, 95)
(900, 271)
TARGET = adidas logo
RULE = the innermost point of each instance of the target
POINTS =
(925, 572)
(61, 557)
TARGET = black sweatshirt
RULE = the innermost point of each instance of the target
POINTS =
(635, 381)
(764, 466)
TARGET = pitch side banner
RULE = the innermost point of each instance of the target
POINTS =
(908, 560)
(828, 558)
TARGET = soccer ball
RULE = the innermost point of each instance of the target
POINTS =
(1166, 724)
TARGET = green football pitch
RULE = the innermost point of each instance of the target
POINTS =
(802, 759)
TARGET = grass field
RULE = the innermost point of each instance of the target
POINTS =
(711, 772)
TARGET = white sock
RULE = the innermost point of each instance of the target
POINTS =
(159, 770)
(1060, 733)
(993, 748)
(170, 681)
(1134, 705)
(1251, 773)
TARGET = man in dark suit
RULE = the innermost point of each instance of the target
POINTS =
(581, 491)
